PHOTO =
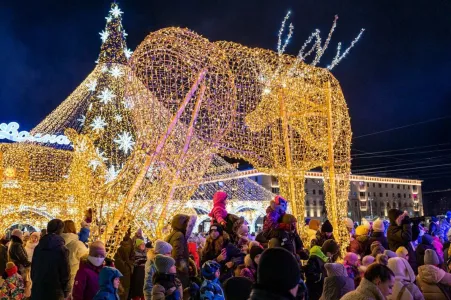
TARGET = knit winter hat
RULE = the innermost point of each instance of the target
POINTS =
(368, 260)
(55, 226)
(138, 242)
(97, 248)
(237, 288)
(162, 247)
(390, 253)
(272, 276)
(335, 269)
(402, 252)
(217, 227)
(209, 269)
(349, 223)
(255, 250)
(378, 226)
(330, 246)
(313, 224)
(431, 258)
(393, 214)
(327, 227)
(351, 258)
(17, 233)
(361, 230)
(163, 263)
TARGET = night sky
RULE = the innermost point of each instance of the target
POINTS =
(397, 75)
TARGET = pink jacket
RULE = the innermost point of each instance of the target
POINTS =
(438, 247)
(219, 212)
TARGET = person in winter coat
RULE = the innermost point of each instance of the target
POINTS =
(292, 241)
(86, 284)
(31, 244)
(273, 281)
(445, 225)
(438, 246)
(404, 287)
(426, 243)
(137, 282)
(182, 227)
(12, 287)
(337, 283)
(3, 258)
(17, 253)
(193, 251)
(378, 234)
(377, 284)
(434, 283)
(166, 285)
(326, 233)
(251, 262)
(218, 213)
(217, 241)
(351, 263)
(315, 271)
(109, 281)
(124, 263)
(360, 244)
(50, 271)
(162, 248)
(272, 224)
(76, 249)
(313, 227)
(399, 234)
(211, 288)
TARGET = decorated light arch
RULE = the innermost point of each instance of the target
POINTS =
(146, 132)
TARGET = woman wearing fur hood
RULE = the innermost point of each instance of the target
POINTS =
(182, 227)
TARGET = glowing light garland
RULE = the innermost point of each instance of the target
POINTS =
(145, 134)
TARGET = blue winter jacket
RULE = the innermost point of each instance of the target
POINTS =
(83, 235)
(107, 290)
(211, 290)
(150, 269)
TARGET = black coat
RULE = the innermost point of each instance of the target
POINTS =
(50, 270)
(314, 276)
(398, 236)
(3, 258)
(17, 254)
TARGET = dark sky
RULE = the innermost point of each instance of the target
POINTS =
(397, 75)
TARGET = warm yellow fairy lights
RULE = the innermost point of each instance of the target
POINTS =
(145, 134)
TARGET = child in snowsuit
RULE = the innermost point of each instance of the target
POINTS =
(109, 283)
(218, 213)
(13, 287)
(211, 288)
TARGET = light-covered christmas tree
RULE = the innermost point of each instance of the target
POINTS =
(98, 106)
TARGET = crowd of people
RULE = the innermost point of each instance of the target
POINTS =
(398, 259)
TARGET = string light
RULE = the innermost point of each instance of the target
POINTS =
(145, 134)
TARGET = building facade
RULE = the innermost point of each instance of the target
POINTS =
(370, 197)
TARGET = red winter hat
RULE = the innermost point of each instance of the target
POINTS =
(219, 198)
